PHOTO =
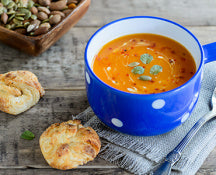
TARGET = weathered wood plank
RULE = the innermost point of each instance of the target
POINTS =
(204, 34)
(186, 12)
(62, 66)
(98, 171)
(206, 172)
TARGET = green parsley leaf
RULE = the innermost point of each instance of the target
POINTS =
(145, 78)
(156, 69)
(138, 70)
(146, 58)
(27, 135)
(133, 64)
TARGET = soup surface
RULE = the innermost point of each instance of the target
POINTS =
(144, 64)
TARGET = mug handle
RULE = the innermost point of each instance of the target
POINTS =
(210, 52)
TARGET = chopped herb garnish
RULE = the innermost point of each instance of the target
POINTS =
(28, 135)
(138, 70)
(133, 64)
(146, 58)
(145, 78)
(156, 69)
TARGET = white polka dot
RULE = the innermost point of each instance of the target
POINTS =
(184, 118)
(158, 104)
(88, 78)
(202, 75)
(194, 100)
(117, 122)
(191, 105)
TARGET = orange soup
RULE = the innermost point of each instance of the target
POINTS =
(144, 64)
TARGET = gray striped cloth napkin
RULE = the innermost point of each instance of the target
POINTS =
(140, 155)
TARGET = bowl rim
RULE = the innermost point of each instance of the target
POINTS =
(39, 37)
(134, 94)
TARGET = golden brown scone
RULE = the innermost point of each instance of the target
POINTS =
(19, 90)
(67, 145)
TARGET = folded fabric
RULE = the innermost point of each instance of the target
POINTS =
(140, 155)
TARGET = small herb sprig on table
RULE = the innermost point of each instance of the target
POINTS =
(145, 59)
(27, 135)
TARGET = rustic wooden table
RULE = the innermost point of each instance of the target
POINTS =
(61, 72)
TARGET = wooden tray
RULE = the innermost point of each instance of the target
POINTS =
(38, 44)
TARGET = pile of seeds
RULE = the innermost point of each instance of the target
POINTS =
(34, 17)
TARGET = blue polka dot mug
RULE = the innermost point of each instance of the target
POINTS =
(144, 114)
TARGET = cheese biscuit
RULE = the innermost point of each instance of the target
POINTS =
(19, 91)
(69, 144)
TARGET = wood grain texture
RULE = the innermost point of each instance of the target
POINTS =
(87, 171)
(192, 12)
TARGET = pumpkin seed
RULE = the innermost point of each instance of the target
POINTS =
(32, 33)
(19, 18)
(17, 22)
(66, 7)
(50, 16)
(26, 24)
(24, 10)
(156, 69)
(11, 5)
(34, 17)
(5, 2)
(28, 15)
(37, 5)
(145, 78)
(4, 10)
(146, 58)
(8, 26)
(13, 26)
(133, 64)
(20, 14)
(11, 12)
(19, 4)
(11, 17)
(30, 4)
(138, 70)
(1, 10)
(19, 26)
(46, 20)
